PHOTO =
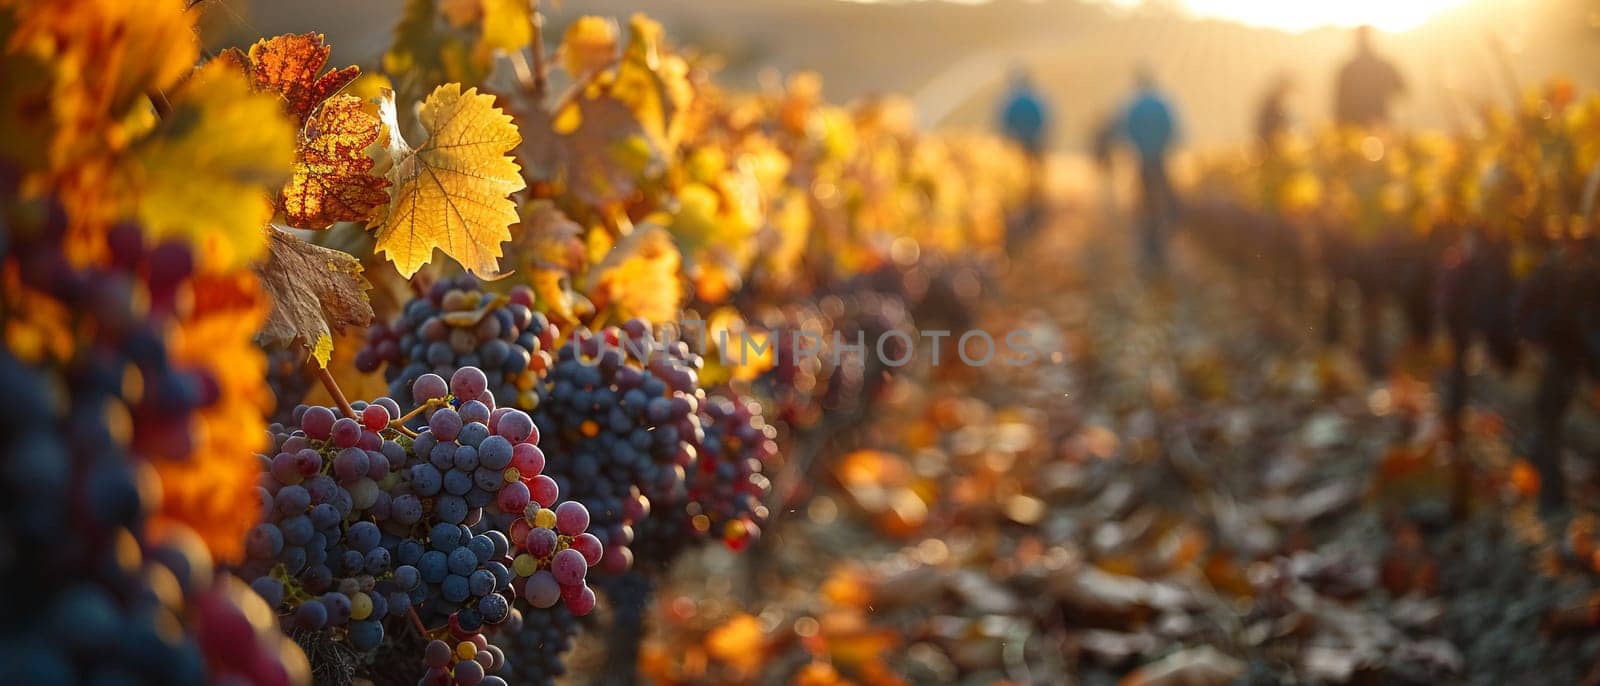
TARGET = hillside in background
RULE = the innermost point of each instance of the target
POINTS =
(954, 58)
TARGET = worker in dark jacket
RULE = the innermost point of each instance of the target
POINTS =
(1151, 128)
(1367, 84)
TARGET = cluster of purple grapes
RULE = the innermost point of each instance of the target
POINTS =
(723, 501)
(473, 661)
(88, 613)
(364, 522)
(321, 500)
(837, 378)
(621, 414)
(535, 644)
(287, 377)
(92, 594)
(458, 324)
(727, 484)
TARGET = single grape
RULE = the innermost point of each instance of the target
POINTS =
(569, 567)
(542, 590)
(541, 542)
(346, 432)
(589, 546)
(445, 424)
(427, 387)
(543, 490)
(572, 518)
(468, 383)
(375, 417)
(311, 615)
(582, 604)
(318, 422)
(437, 654)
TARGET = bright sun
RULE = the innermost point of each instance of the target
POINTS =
(1301, 15)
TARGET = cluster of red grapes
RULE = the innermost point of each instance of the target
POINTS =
(93, 594)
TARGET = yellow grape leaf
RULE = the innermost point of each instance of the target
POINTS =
(315, 292)
(507, 24)
(236, 140)
(332, 180)
(640, 276)
(653, 84)
(451, 192)
(589, 44)
(291, 65)
(552, 290)
(783, 240)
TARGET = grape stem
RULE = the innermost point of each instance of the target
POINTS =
(399, 423)
(417, 622)
(326, 377)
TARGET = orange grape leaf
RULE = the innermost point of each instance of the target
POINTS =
(451, 192)
(331, 181)
(97, 62)
(739, 642)
(239, 142)
(291, 65)
(639, 277)
(204, 489)
(316, 292)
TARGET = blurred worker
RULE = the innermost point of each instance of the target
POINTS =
(1151, 129)
(1025, 118)
(1366, 85)
(1272, 118)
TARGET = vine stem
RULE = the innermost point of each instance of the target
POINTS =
(326, 377)
(533, 78)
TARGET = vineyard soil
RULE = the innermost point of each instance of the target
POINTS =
(1194, 479)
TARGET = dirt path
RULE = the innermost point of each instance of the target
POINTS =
(1189, 489)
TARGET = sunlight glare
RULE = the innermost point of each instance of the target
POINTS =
(1290, 15)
